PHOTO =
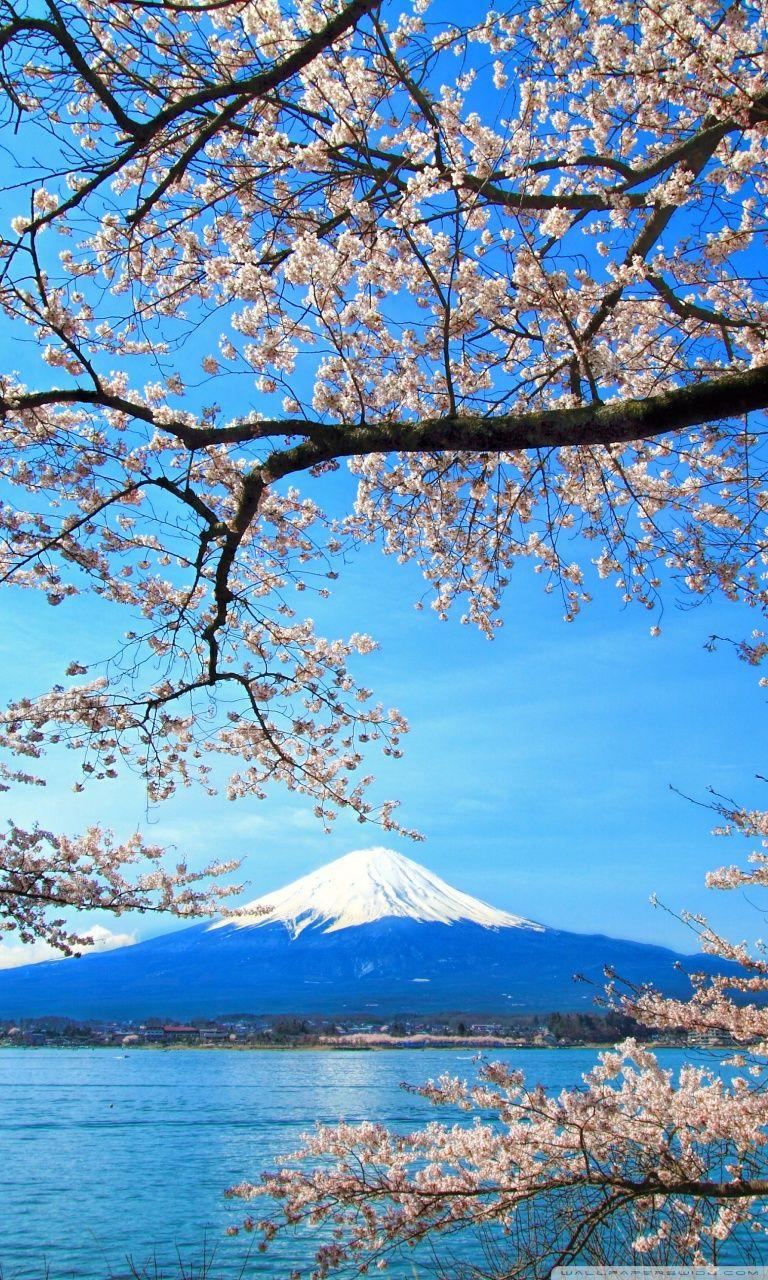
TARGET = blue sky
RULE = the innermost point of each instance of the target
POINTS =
(538, 766)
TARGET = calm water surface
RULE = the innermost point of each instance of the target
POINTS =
(108, 1156)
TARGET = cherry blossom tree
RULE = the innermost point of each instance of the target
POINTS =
(506, 271)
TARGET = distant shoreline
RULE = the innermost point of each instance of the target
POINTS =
(301, 1047)
(378, 1046)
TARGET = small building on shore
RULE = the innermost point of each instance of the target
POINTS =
(179, 1032)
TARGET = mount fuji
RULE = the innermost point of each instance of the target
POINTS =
(370, 933)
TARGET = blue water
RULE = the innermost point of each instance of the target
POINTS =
(108, 1157)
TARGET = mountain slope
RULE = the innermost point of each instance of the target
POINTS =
(372, 933)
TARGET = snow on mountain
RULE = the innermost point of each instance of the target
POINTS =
(367, 885)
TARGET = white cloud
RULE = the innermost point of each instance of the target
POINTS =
(18, 953)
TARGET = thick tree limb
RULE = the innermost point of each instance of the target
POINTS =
(617, 422)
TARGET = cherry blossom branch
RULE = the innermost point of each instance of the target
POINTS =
(40, 871)
(549, 1174)
(606, 424)
(619, 422)
(240, 91)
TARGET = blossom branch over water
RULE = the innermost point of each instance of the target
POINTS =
(638, 1165)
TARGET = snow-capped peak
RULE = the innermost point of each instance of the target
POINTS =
(367, 885)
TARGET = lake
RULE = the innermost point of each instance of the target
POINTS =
(111, 1156)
